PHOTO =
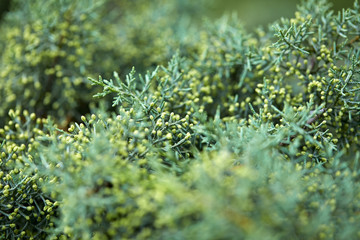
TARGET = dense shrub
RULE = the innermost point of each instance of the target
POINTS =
(50, 47)
(239, 136)
(48, 52)
(26, 212)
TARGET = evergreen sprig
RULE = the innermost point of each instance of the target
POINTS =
(240, 135)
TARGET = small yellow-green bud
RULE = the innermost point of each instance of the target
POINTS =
(32, 116)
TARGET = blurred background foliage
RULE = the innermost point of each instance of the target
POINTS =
(4, 6)
(264, 12)
(251, 12)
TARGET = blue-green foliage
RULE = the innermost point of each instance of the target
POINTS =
(49, 48)
(238, 136)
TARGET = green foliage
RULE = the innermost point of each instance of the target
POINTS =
(25, 210)
(147, 33)
(318, 51)
(155, 111)
(240, 135)
(49, 50)
(50, 47)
